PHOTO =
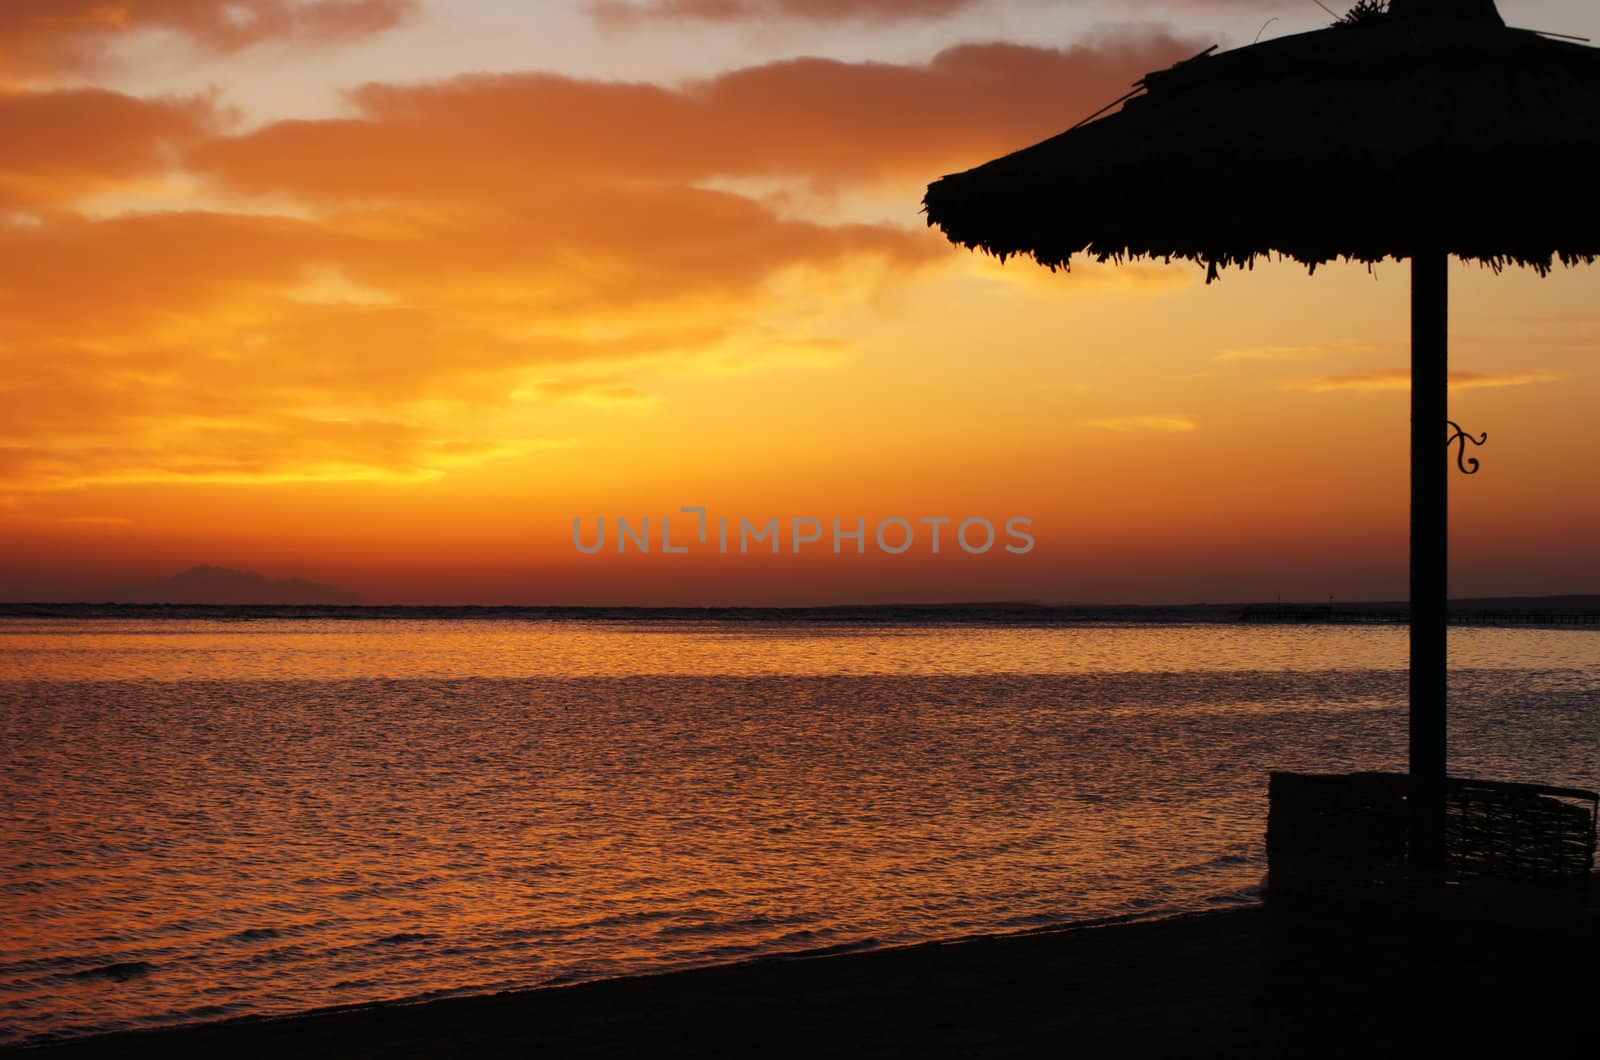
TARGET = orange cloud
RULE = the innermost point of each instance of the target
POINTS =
(623, 12)
(463, 260)
(267, 449)
(65, 145)
(814, 119)
(516, 270)
(234, 357)
(603, 392)
(39, 37)
(72, 279)
(1298, 353)
(1147, 424)
(619, 11)
(1400, 379)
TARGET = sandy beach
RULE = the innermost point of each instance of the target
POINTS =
(1183, 987)
(1180, 987)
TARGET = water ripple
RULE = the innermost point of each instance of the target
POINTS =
(203, 822)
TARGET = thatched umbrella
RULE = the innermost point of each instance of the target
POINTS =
(1418, 130)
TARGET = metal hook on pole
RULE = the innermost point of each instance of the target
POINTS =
(1467, 464)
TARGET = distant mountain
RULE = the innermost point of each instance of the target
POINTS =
(220, 585)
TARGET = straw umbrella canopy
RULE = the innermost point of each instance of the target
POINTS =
(1419, 129)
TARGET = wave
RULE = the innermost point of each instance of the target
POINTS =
(120, 972)
(254, 935)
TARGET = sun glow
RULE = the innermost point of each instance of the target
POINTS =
(402, 341)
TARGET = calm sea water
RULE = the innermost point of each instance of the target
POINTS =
(211, 819)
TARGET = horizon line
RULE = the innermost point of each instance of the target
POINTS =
(949, 605)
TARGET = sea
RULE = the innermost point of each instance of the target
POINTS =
(204, 818)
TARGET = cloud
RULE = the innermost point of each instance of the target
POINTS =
(263, 449)
(766, 353)
(43, 37)
(601, 392)
(621, 12)
(628, 12)
(417, 288)
(818, 120)
(67, 145)
(1144, 424)
(241, 359)
(1085, 276)
(573, 257)
(1299, 353)
(1400, 379)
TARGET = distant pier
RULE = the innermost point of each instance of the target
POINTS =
(1326, 614)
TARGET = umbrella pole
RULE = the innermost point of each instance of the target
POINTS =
(1430, 315)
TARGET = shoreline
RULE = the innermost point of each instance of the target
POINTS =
(1133, 987)
(1184, 985)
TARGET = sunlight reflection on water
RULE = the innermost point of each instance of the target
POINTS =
(216, 818)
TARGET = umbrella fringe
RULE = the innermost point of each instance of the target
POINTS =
(1216, 264)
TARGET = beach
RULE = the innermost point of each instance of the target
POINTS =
(1189, 986)
(1185, 986)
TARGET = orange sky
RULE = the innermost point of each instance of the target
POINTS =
(385, 294)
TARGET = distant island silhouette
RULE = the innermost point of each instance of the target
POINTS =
(224, 586)
(273, 600)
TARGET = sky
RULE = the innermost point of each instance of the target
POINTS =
(388, 294)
